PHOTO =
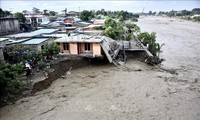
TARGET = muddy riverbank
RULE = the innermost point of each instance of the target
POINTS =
(133, 91)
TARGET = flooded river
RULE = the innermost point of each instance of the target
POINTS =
(181, 39)
(134, 91)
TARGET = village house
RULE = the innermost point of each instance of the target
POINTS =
(31, 18)
(89, 46)
(81, 44)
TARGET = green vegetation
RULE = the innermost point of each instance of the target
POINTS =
(41, 64)
(10, 84)
(21, 17)
(149, 40)
(113, 29)
(119, 30)
(183, 14)
(20, 52)
(86, 15)
(5, 13)
(134, 19)
(197, 18)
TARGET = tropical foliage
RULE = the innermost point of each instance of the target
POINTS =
(8, 77)
(86, 15)
(21, 17)
(5, 13)
(149, 40)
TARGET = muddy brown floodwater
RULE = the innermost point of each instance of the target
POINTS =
(134, 91)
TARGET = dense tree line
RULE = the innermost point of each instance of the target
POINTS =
(121, 15)
(181, 13)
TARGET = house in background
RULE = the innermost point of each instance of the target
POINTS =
(72, 14)
(31, 18)
(99, 22)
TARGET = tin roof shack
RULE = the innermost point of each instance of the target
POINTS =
(37, 43)
(89, 46)
(9, 26)
(36, 33)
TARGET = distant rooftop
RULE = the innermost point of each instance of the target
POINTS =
(34, 33)
(35, 41)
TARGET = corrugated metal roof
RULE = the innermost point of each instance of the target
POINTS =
(42, 31)
(35, 41)
(2, 39)
(34, 33)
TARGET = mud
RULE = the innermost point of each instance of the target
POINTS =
(134, 91)
(58, 69)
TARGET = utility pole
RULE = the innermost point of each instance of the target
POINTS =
(78, 12)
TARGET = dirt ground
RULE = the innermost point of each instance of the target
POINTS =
(134, 91)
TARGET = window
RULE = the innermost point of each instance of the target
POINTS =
(87, 46)
(39, 20)
(65, 46)
(28, 20)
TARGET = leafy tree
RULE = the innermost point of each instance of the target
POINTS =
(186, 12)
(86, 15)
(196, 11)
(110, 32)
(8, 76)
(21, 17)
(52, 13)
(110, 22)
(150, 41)
(36, 10)
(45, 12)
(133, 27)
(1, 13)
(150, 12)
(197, 18)
(24, 11)
(5, 13)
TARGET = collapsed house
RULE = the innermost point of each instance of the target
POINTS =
(90, 46)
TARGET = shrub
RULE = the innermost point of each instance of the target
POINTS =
(197, 18)
(134, 19)
(150, 40)
(41, 64)
(9, 82)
